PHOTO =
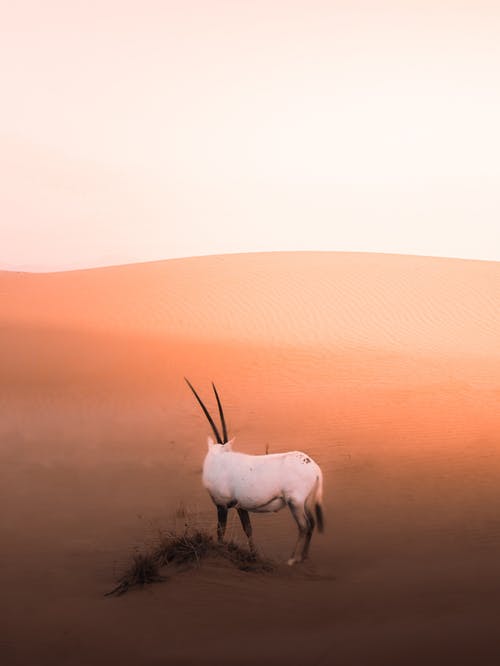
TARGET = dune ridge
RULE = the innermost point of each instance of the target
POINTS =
(421, 304)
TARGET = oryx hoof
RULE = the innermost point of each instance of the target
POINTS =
(293, 561)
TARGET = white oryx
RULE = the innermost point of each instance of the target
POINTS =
(261, 483)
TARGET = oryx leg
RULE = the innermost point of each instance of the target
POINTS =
(247, 527)
(221, 522)
(307, 539)
(305, 524)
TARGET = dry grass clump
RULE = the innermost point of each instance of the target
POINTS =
(145, 569)
(192, 547)
(185, 550)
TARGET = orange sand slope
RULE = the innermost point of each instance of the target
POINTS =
(385, 368)
(401, 303)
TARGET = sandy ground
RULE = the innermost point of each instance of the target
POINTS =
(385, 369)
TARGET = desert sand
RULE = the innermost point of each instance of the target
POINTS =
(386, 369)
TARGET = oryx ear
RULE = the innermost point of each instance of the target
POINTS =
(210, 442)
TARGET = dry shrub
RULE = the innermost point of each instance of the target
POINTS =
(145, 569)
(186, 550)
(192, 547)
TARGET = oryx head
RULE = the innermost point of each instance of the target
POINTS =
(222, 441)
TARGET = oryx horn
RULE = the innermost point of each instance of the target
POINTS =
(205, 410)
(221, 413)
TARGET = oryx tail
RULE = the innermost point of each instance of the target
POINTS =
(314, 502)
(318, 505)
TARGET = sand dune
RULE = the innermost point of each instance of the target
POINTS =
(415, 304)
(385, 368)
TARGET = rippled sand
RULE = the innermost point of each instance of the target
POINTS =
(386, 369)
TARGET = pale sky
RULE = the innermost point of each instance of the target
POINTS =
(135, 131)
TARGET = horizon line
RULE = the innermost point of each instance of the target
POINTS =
(48, 271)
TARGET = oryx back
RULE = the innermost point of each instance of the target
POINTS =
(259, 483)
